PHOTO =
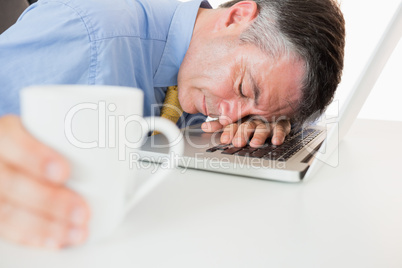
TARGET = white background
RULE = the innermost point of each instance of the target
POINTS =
(365, 22)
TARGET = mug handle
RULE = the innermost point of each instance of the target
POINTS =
(176, 142)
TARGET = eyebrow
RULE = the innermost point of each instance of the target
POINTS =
(256, 90)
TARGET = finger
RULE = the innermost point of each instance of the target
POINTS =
(280, 130)
(228, 133)
(23, 227)
(261, 133)
(243, 133)
(23, 151)
(53, 201)
(211, 126)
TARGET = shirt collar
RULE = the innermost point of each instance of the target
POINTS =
(177, 42)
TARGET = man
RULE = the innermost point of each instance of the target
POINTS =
(272, 59)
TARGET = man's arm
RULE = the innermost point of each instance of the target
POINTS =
(48, 45)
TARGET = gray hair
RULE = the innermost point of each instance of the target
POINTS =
(311, 30)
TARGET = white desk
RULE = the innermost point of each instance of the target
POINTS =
(349, 216)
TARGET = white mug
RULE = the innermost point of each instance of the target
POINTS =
(97, 128)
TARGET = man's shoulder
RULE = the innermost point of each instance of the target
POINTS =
(114, 5)
(111, 18)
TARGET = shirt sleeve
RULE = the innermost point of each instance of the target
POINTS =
(49, 44)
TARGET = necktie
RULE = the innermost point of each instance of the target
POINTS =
(171, 108)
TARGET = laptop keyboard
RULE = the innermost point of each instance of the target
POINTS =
(283, 152)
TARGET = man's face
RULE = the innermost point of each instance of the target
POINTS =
(233, 81)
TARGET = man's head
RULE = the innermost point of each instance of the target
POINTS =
(265, 57)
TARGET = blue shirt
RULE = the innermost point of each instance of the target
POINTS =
(134, 43)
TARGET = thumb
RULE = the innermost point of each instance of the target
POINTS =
(211, 126)
(23, 152)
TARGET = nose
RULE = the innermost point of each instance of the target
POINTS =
(230, 112)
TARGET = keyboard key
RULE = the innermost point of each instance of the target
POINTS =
(232, 150)
(272, 156)
(281, 150)
(218, 147)
(258, 154)
(267, 149)
(247, 151)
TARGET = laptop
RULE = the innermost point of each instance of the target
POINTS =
(302, 153)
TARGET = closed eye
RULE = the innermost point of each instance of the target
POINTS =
(241, 90)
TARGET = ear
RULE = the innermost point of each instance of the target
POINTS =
(238, 16)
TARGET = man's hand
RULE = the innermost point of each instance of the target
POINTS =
(239, 134)
(35, 207)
